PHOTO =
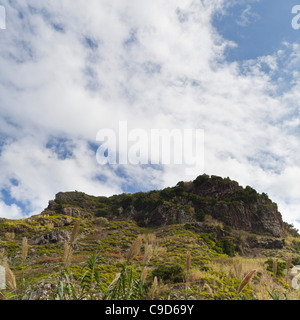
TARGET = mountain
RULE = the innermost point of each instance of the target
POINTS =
(223, 199)
(198, 238)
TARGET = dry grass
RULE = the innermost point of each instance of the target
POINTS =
(24, 248)
(68, 253)
(148, 253)
(10, 278)
(245, 281)
(150, 238)
(154, 289)
(264, 280)
(68, 245)
(209, 289)
(288, 266)
(3, 257)
(195, 275)
(75, 231)
(274, 267)
(237, 266)
(144, 275)
(266, 284)
(135, 248)
(10, 236)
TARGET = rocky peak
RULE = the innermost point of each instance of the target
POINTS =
(241, 208)
(223, 199)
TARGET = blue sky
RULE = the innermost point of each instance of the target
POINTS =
(69, 69)
(258, 27)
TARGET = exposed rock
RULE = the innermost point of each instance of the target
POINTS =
(240, 216)
(167, 214)
(274, 244)
(267, 243)
(43, 292)
(55, 236)
(238, 207)
(162, 215)
(223, 199)
(72, 212)
(52, 205)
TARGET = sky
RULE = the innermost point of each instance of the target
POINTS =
(69, 69)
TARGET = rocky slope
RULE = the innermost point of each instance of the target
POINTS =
(223, 199)
(214, 219)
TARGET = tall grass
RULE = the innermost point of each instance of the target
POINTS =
(245, 281)
(215, 278)
(68, 245)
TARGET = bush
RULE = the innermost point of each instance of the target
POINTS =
(227, 247)
(201, 179)
(143, 202)
(296, 261)
(280, 267)
(101, 213)
(200, 215)
(101, 221)
(172, 273)
(248, 195)
(169, 193)
(227, 229)
(209, 238)
(126, 201)
(291, 230)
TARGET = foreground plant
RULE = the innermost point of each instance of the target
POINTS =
(245, 281)
(126, 286)
(277, 296)
(88, 288)
(90, 281)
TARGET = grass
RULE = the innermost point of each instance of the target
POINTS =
(118, 258)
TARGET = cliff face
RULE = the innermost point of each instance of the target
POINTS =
(223, 199)
(241, 208)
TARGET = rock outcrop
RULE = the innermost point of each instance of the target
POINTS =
(238, 207)
(222, 199)
(55, 236)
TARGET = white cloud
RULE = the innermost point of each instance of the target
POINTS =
(10, 211)
(69, 68)
(246, 17)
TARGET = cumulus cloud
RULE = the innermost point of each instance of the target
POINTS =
(69, 69)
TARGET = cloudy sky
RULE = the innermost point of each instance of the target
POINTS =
(71, 68)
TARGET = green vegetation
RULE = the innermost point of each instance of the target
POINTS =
(99, 267)
(165, 244)
(173, 273)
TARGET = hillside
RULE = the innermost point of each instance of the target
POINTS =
(197, 240)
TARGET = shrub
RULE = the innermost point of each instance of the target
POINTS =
(209, 238)
(173, 273)
(126, 201)
(101, 221)
(200, 215)
(227, 229)
(101, 213)
(291, 230)
(281, 265)
(248, 195)
(201, 179)
(296, 261)
(227, 247)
